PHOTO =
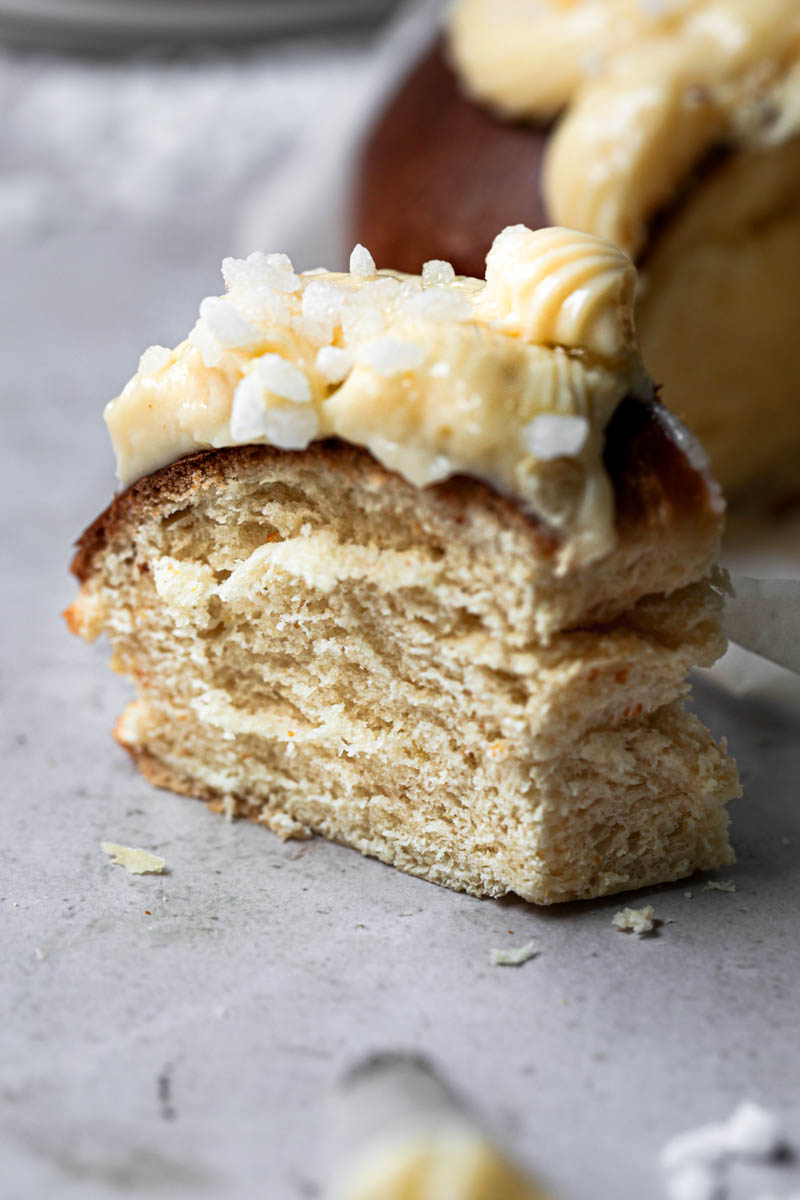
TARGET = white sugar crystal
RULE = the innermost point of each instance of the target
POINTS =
(753, 1132)
(154, 359)
(211, 350)
(248, 410)
(290, 427)
(319, 333)
(262, 306)
(437, 304)
(635, 920)
(361, 319)
(437, 271)
(695, 1182)
(514, 957)
(282, 378)
(228, 326)
(261, 270)
(333, 364)
(390, 356)
(553, 435)
(323, 302)
(382, 292)
(362, 264)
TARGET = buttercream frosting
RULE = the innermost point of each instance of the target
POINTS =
(512, 380)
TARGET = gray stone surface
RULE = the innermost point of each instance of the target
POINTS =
(176, 1036)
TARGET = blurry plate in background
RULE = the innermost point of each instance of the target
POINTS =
(112, 24)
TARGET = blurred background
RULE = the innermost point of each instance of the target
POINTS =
(142, 140)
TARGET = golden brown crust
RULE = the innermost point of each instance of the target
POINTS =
(443, 188)
(657, 491)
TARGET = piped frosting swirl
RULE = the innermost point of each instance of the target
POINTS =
(648, 86)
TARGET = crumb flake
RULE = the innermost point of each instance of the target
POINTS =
(135, 862)
(635, 920)
(514, 957)
(720, 885)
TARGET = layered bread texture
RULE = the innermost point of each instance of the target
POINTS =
(319, 645)
(672, 130)
(421, 565)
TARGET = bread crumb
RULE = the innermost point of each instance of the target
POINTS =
(513, 958)
(38, 953)
(720, 885)
(135, 862)
(689, 895)
(635, 920)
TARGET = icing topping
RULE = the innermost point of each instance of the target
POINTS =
(512, 381)
(650, 85)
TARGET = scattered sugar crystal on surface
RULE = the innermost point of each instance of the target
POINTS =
(720, 885)
(261, 305)
(361, 319)
(323, 302)
(211, 349)
(381, 291)
(440, 370)
(282, 378)
(248, 409)
(391, 356)
(227, 325)
(513, 957)
(261, 270)
(333, 363)
(555, 435)
(319, 333)
(437, 304)
(362, 264)
(635, 920)
(437, 271)
(154, 359)
(291, 428)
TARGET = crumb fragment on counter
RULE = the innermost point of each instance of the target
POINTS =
(135, 861)
(720, 885)
(635, 920)
(514, 957)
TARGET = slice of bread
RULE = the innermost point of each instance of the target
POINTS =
(320, 645)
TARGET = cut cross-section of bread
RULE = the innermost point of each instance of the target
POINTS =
(320, 645)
